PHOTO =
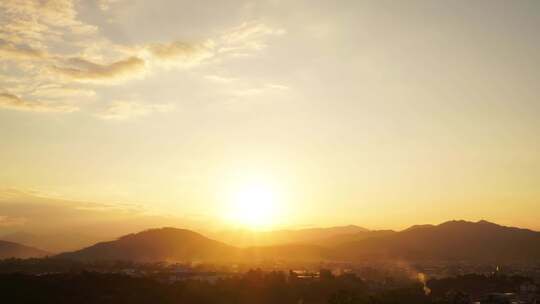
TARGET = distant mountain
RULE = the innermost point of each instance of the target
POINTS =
(52, 242)
(14, 250)
(454, 240)
(165, 244)
(248, 238)
(340, 239)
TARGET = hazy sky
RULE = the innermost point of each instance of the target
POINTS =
(376, 113)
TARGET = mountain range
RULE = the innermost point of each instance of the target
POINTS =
(14, 250)
(453, 240)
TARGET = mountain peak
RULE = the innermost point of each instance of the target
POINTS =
(484, 222)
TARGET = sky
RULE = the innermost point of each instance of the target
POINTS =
(378, 113)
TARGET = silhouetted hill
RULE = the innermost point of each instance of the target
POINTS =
(454, 240)
(352, 237)
(14, 250)
(248, 238)
(165, 244)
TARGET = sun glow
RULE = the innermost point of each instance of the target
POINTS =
(253, 205)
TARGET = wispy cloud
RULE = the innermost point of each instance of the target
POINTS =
(240, 40)
(123, 110)
(29, 31)
(45, 48)
(247, 37)
(182, 54)
(13, 102)
(36, 22)
(19, 52)
(80, 69)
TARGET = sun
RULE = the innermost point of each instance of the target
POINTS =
(253, 205)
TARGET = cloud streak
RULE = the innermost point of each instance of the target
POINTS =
(19, 52)
(80, 69)
(181, 53)
(247, 37)
(45, 47)
(37, 22)
(13, 102)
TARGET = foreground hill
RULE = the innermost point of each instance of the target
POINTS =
(454, 240)
(14, 250)
(165, 244)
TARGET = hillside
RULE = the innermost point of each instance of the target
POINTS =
(165, 244)
(14, 250)
(454, 240)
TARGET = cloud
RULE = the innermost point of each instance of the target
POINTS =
(37, 23)
(13, 102)
(83, 70)
(249, 36)
(32, 33)
(20, 52)
(45, 48)
(181, 53)
(240, 40)
(123, 110)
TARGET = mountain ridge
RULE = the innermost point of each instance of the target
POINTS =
(15, 250)
(451, 240)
